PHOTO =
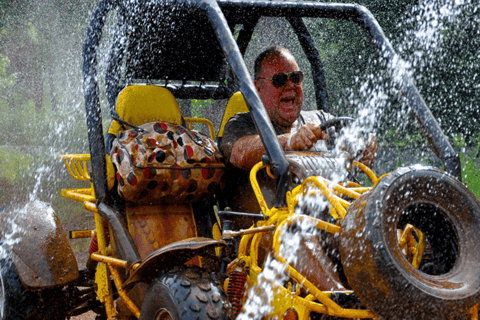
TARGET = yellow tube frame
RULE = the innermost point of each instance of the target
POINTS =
(211, 128)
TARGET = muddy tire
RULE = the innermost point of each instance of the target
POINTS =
(448, 280)
(185, 293)
(15, 301)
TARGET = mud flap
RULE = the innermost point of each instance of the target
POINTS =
(38, 245)
(174, 254)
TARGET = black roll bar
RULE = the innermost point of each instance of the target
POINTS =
(313, 56)
(92, 102)
(95, 134)
(260, 117)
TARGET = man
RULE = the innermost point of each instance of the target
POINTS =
(279, 84)
(278, 81)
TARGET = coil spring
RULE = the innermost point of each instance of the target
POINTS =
(93, 247)
(236, 289)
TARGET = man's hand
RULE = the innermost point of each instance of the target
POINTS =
(305, 138)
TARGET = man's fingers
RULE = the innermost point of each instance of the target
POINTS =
(301, 142)
(306, 137)
(308, 141)
(317, 131)
(309, 136)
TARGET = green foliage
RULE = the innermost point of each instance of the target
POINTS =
(450, 83)
(32, 32)
(197, 108)
(470, 161)
(42, 113)
(199, 105)
(6, 81)
(13, 163)
(470, 172)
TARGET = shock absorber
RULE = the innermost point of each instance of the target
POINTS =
(93, 247)
(236, 289)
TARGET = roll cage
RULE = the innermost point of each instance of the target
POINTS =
(188, 45)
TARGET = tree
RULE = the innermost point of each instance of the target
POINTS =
(440, 39)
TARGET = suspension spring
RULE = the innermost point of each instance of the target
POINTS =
(236, 289)
(93, 247)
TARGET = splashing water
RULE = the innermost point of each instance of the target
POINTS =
(431, 19)
(258, 305)
(36, 188)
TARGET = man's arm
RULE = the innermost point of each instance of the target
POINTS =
(248, 150)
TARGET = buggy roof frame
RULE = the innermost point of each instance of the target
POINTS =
(215, 21)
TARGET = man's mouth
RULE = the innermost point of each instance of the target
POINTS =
(288, 100)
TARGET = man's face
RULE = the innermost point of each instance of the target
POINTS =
(283, 104)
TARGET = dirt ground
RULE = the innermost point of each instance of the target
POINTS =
(81, 259)
(86, 316)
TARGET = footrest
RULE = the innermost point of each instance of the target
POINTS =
(80, 234)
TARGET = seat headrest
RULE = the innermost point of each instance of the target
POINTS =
(140, 104)
(235, 104)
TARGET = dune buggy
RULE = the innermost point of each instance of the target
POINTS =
(165, 244)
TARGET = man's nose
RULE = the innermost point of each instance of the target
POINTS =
(290, 83)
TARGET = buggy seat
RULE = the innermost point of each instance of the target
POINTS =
(162, 167)
(236, 104)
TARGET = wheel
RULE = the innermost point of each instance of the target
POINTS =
(333, 127)
(185, 293)
(447, 282)
(15, 301)
(358, 143)
(18, 303)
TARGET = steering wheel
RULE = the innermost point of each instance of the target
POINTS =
(338, 123)
(306, 163)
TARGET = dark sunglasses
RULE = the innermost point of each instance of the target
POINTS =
(280, 79)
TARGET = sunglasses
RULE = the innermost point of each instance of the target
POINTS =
(280, 79)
